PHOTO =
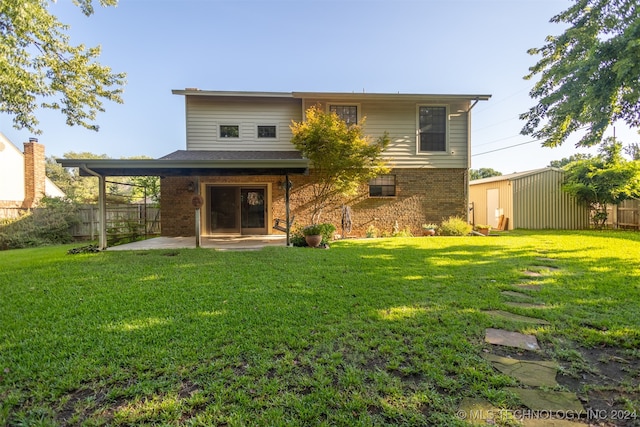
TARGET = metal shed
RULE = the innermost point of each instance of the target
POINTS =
(532, 199)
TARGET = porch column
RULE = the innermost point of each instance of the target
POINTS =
(102, 212)
(102, 206)
(287, 187)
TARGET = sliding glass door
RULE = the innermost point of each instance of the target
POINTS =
(237, 209)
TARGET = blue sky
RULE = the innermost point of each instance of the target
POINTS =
(427, 46)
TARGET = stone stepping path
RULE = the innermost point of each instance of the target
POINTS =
(528, 286)
(551, 401)
(535, 373)
(505, 315)
(530, 373)
(477, 411)
(524, 304)
(511, 339)
(519, 295)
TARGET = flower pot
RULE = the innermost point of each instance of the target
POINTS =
(428, 232)
(313, 240)
(484, 231)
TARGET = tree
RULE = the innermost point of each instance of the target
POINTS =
(341, 155)
(589, 75)
(604, 179)
(39, 68)
(566, 160)
(483, 173)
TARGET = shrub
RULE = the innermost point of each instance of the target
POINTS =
(455, 226)
(372, 232)
(49, 224)
(324, 229)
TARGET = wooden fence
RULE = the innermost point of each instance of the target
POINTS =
(625, 215)
(123, 221)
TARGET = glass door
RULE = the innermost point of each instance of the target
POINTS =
(253, 210)
(225, 209)
(236, 209)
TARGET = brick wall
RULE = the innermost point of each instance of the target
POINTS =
(423, 195)
(34, 173)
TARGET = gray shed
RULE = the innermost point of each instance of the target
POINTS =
(532, 199)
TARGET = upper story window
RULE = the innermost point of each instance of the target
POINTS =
(348, 113)
(433, 129)
(229, 131)
(266, 131)
(382, 186)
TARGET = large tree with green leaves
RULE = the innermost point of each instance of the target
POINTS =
(606, 179)
(483, 173)
(341, 155)
(589, 76)
(40, 68)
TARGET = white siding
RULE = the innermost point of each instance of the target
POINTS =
(204, 115)
(399, 119)
(11, 171)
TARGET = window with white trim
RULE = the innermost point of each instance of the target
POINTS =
(229, 131)
(266, 131)
(433, 129)
(383, 186)
(348, 113)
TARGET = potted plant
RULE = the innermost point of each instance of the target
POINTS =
(429, 229)
(482, 229)
(316, 234)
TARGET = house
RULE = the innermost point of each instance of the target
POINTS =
(532, 199)
(242, 172)
(23, 180)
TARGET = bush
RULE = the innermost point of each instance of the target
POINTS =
(455, 226)
(48, 224)
(324, 229)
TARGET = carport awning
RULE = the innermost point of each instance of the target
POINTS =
(196, 163)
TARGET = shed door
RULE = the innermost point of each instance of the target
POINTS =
(493, 206)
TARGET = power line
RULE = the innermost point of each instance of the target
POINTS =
(505, 148)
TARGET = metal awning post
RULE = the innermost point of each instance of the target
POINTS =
(287, 187)
(102, 207)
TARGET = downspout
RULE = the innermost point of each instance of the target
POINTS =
(102, 206)
(466, 177)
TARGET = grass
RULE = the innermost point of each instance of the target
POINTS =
(371, 332)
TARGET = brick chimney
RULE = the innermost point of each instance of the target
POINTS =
(34, 173)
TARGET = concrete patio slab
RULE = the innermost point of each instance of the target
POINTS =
(219, 243)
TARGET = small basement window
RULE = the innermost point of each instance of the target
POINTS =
(383, 186)
(266, 131)
(229, 131)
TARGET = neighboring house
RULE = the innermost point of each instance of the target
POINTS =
(532, 199)
(22, 176)
(239, 156)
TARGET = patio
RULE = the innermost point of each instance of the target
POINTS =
(224, 243)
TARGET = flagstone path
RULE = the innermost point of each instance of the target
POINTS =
(538, 377)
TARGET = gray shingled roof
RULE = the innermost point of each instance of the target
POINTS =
(232, 155)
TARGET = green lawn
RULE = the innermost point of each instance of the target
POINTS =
(370, 332)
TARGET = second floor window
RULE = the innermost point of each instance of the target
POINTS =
(433, 129)
(229, 131)
(266, 131)
(348, 113)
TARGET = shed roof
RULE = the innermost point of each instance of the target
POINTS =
(513, 176)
